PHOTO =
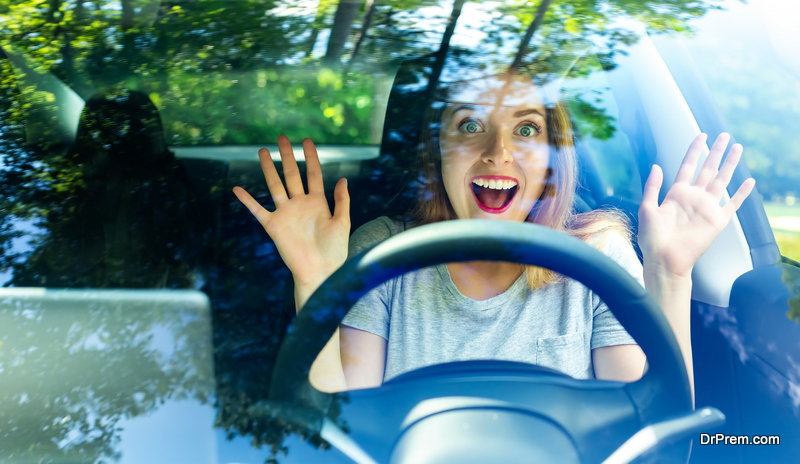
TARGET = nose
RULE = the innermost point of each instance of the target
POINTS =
(497, 152)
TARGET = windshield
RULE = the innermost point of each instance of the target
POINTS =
(144, 306)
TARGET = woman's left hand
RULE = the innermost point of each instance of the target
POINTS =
(675, 234)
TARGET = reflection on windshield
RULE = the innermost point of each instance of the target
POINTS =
(791, 277)
(75, 366)
(113, 207)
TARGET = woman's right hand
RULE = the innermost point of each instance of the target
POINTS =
(311, 242)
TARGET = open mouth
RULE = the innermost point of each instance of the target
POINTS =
(494, 194)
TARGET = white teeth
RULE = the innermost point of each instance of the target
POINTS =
(495, 184)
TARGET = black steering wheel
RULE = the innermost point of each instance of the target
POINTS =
(537, 414)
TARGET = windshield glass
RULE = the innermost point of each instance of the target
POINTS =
(144, 306)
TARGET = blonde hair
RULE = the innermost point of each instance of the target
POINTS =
(554, 207)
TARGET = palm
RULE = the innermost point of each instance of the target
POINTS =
(676, 233)
(311, 241)
(306, 236)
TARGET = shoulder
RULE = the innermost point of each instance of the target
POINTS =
(610, 242)
(619, 248)
(608, 230)
(372, 233)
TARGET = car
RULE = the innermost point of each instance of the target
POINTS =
(147, 317)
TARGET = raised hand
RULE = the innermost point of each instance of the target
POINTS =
(311, 241)
(676, 233)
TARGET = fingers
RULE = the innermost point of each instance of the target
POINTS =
(341, 197)
(738, 198)
(723, 178)
(271, 175)
(290, 170)
(313, 168)
(653, 186)
(689, 164)
(709, 169)
(251, 204)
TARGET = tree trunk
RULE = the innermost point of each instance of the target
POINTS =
(342, 22)
(370, 11)
(73, 79)
(128, 53)
(55, 6)
(438, 65)
(322, 9)
(538, 18)
(127, 15)
(78, 11)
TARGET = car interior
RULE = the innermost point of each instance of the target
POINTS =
(658, 104)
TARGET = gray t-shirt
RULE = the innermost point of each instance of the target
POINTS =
(426, 320)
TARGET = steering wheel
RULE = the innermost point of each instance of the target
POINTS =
(482, 411)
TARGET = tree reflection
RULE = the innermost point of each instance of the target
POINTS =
(70, 370)
(119, 210)
(791, 277)
(116, 209)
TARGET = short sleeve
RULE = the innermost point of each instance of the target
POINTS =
(371, 312)
(606, 329)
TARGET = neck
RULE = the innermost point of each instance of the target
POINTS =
(487, 270)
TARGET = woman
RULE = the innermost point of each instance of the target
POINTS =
(496, 151)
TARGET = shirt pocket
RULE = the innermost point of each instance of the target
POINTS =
(565, 353)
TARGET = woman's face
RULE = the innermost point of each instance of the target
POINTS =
(493, 140)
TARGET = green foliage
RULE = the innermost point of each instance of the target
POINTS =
(255, 107)
(117, 210)
(791, 277)
(789, 244)
(592, 120)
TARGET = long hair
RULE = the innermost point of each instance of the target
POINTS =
(554, 209)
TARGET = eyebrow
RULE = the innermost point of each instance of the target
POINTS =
(464, 107)
(517, 114)
(522, 113)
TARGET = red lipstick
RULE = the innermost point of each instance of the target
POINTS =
(486, 208)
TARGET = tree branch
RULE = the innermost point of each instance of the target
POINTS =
(318, 19)
(370, 11)
(538, 19)
(127, 15)
(438, 65)
(342, 21)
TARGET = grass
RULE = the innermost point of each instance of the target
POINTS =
(788, 240)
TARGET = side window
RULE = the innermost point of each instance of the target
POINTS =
(759, 100)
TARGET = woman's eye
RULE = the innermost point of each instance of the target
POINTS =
(470, 127)
(527, 130)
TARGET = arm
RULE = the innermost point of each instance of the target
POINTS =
(326, 371)
(354, 358)
(363, 357)
(674, 294)
(676, 233)
(311, 241)
(624, 363)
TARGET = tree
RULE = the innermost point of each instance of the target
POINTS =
(342, 21)
(70, 374)
(362, 33)
(114, 214)
(535, 24)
